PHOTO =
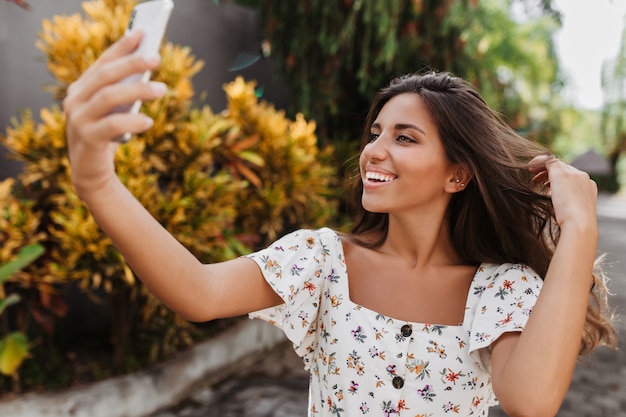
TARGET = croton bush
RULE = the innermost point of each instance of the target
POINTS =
(222, 183)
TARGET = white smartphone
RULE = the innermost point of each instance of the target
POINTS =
(151, 18)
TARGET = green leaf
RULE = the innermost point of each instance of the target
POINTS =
(10, 300)
(26, 256)
(252, 157)
(234, 247)
(13, 351)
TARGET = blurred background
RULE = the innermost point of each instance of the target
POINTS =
(555, 68)
(266, 104)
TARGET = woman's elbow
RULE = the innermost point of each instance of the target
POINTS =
(192, 311)
(534, 407)
(194, 317)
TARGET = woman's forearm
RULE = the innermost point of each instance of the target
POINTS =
(169, 270)
(538, 371)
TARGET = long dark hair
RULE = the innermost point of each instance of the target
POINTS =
(502, 215)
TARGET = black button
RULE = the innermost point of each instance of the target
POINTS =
(406, 330)
(397, 382)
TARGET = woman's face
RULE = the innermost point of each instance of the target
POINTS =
(404, 167)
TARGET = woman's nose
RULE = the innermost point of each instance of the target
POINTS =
(376, 149)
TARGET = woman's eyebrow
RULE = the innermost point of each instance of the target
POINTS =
(401, 126)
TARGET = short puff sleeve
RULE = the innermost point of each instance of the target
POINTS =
(295, 266)
(506, 298)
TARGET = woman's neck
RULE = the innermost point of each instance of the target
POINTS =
(422, 242)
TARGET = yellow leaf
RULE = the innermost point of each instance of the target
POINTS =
(13, 351)
(96, 280)
(5, 188)
(252, 157)
(129, 277)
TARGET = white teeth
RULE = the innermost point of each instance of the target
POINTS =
(377, 176)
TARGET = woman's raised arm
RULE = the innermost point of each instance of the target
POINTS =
(195, 291)
(532, 371)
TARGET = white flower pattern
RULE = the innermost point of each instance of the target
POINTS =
(364, 363)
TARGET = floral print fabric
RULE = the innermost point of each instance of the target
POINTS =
(366, 364)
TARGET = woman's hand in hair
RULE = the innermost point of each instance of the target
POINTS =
(532, 371)
(574, 195)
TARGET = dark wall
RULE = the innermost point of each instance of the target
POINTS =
(22, 69)
(216, 32)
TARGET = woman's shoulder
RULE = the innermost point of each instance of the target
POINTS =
(304, 234)
(321, 231)
(330, 237)
(304, 240)
(505, 279)
(496, 272)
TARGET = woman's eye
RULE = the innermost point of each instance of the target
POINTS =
(405, 139)
(373, 137)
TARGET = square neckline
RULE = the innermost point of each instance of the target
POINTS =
(461, 325)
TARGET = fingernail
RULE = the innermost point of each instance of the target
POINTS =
(131, 33)
(158, 87)
(147, 120)
(152, 59)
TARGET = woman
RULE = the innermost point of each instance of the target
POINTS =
(462, 281)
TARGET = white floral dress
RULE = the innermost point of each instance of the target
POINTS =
(364, 363)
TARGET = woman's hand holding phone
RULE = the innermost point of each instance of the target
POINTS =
(102, 106)
(92, 124)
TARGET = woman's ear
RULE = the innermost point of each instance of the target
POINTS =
(458, 180)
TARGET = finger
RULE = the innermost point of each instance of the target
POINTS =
(541, 178)
(124, 46)
(86, 120)
(108, 74)
(594, 188)
(111, 98)
(115, 64)
(105, 102)
(116, 125)
(540, 162)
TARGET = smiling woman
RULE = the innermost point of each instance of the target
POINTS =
(404, 146)
(466, 276)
